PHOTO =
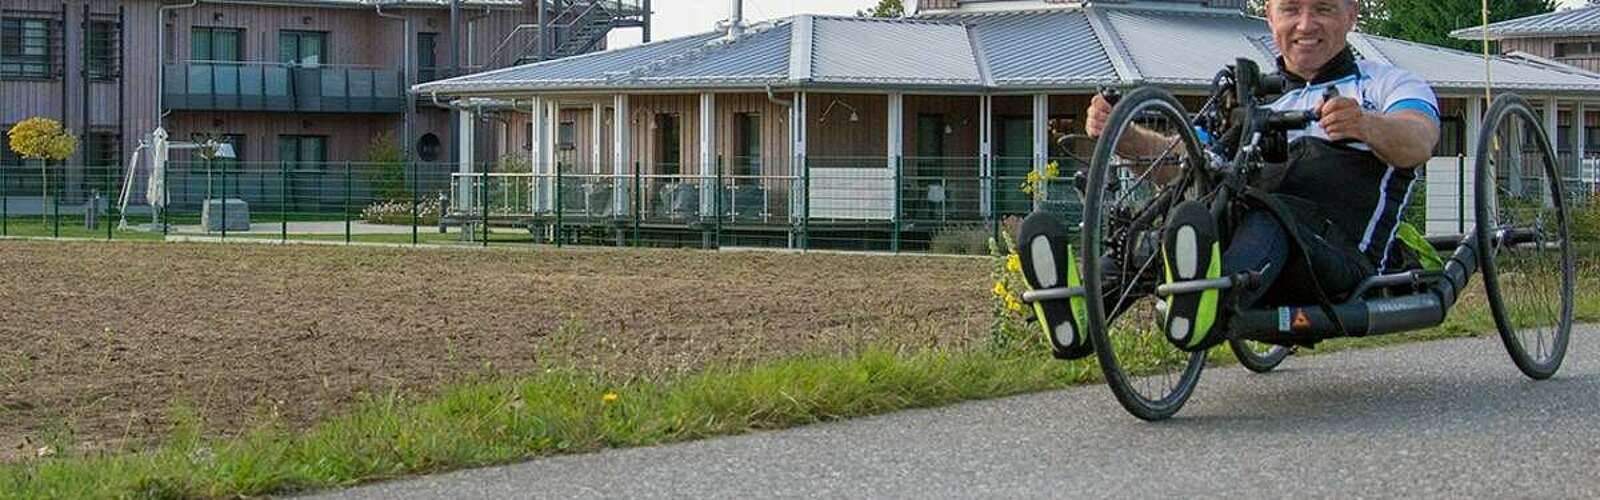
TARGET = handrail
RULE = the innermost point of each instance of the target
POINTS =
(282, 64)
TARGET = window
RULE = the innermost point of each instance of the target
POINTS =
(28, 48)
(104, 47)
(308, 150)
(1577, 49)
(669, 144)
(302, 48)
(215, 44)
(427, 57)
(747, 144)
(565, 136)
(1593, 144)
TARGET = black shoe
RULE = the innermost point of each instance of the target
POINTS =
(1049, 261)
(1190, 251)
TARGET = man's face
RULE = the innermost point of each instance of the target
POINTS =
(1310, 32)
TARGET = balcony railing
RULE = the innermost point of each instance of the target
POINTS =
(254, 86)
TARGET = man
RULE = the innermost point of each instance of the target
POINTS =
(1349, 174)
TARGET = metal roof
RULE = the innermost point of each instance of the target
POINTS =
(853, 50)
(1011, 44)
(370, 3)
(1581, 21)
(1052, 49)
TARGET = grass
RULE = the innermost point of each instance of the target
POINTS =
(573, 410)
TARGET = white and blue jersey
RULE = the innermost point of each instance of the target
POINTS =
(1354, 190)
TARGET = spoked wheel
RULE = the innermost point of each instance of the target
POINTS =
(1522, 230)
(1136, 175)
(1259, 357)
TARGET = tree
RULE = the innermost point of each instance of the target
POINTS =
(1431, 21)
(885, 8)
(44, 140)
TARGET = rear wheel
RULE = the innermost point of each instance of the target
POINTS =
(1127, 198)
(1522, 231)
(1259, 357)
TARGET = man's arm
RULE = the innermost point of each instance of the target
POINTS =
(1137, 141)
(1403, 138)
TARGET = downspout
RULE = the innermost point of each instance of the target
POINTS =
(775, 100)
(161, 54)
(411, 104)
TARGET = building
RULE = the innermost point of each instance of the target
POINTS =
(1566, 37)
(298, 82)
(876, 132)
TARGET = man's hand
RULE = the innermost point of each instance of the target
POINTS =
(1342, 118)
(1098, 114)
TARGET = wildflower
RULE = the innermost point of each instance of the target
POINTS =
(1013, 304)
(610, 397)
(1000, 289)
(1052, 170)
(1014, 263)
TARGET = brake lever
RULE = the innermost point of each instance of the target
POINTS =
(1316, 116)
(1111, 95)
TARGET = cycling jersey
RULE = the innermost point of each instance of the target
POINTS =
(1351, 189)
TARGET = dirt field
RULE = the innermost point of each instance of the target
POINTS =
(100, 343)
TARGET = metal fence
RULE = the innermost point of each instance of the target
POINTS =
(911, 204)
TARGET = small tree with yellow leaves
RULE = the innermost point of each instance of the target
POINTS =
(44, 140)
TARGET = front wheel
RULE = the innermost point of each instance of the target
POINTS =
(1259, 357)
(1140, 170)
(1523, 236)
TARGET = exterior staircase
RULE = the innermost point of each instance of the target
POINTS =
(581, 26)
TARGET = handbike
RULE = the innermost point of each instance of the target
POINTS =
(1111, 286)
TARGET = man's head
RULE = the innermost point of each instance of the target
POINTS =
(1310, 32)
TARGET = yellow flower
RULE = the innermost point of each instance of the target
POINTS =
(1000, 289)
(1052, 170)
(610, 397)
(1014, 263)
(1013, 304)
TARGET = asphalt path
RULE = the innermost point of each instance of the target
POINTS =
(1440, 419)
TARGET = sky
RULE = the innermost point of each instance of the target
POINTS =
(675, 18)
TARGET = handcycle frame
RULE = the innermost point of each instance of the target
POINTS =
(1381, 304)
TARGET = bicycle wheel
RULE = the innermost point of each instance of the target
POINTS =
(1259, 357)
(1126, 202)
(1522, 231)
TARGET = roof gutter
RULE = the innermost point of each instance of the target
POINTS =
(161, 53)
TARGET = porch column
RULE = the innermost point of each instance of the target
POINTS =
(1552, 126)
(985, 156)
(1041, 136)
(1580, 132)
(708, 154)
(797, 155)
(536, 147)
(464, 155)
(621, 156)
(895, 148)
(1474, 126)
(552, 120)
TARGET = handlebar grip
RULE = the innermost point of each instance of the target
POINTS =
(1291, 120)
(1111, 95)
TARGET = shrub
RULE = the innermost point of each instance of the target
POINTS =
(399, 212)
(960, 240)
(388, 173)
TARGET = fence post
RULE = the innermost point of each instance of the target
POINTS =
(805, 215)
(224, 174)
(1461, 194)
(110, 181)
(899, 178)
(994, 206)
(411, 170)
(283, 202)
(347, 202)
(558, 207)
(55, 202)
(638, 205)
(483, 201)
(717, 207)
(166, 201)
(5, 203)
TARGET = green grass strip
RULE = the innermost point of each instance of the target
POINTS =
(498, 422)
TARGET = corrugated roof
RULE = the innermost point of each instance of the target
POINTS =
(1055, 49)
(1178, 47)
(370, 3)
(1013, 47)
(888, 51)
(1580, 21)
(1447, 69)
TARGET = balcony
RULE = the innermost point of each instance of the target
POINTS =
(254, 86)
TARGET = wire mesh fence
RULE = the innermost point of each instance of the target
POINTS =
(908, 204)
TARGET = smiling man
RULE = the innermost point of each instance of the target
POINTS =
(1348, 178)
